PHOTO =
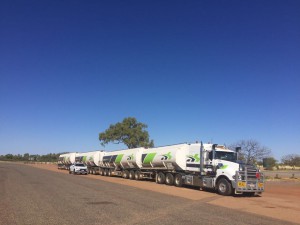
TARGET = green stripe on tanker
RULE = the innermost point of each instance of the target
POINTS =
(149, 158)
(119, 158)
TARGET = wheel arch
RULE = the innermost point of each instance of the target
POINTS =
(219, 178)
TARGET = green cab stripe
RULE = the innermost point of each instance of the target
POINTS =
(149, 158)
(119, 158)
(224, 167)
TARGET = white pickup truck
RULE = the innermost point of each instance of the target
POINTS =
(78, 168)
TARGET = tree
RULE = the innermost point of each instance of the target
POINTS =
(26, 156)
(9, 156)
(269, 163)
(129, 132)
(251, 150)
(291, 160)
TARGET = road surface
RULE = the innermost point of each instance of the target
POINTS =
(34, 196)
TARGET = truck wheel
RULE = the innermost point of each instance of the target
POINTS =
(105, 172)
(93, 172)
(161, 178)
(126, 174)
(178, 180)
(169, 179)
(109, 173)
(131, 175)
(224, 187)
(102, 172)
(137, 175)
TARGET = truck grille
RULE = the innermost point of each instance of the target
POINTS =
(249, 179)
(250, 173)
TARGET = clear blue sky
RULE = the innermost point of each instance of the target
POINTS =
(191, 70)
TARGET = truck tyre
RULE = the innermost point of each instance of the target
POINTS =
(178, 180)
(137, 175)
(105, 172)
(125, 174)
(102, 172)
(169, 179)
(131, 175)
(109, 173)
(224, 187)
(161, 178)
(93, 171)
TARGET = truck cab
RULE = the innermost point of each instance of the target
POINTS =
(224, 172)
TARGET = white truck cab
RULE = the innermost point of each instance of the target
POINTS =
(221, 170)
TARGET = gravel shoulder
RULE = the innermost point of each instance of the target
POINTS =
(280, 199)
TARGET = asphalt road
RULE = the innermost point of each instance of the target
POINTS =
(34, 196)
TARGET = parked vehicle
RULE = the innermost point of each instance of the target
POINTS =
(78, 168)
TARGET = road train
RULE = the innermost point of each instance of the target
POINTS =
(207, 166)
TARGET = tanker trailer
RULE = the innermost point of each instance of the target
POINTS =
(66, 160)
(60, 162)
(91, 160)
(164, 164)
(121, 163)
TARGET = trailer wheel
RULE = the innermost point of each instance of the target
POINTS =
(178, 180)
(224, 187)
(137, 175)
(102, 172)
(109, 173)
(125, 174)
(131, 175)
(169, 179)
(105, 172)
(161, 178)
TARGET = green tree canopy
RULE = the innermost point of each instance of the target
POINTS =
(269, 163)
(129, 132)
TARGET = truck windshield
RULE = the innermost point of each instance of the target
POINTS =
(229, 156)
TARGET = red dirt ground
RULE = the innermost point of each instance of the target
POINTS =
(281, 199)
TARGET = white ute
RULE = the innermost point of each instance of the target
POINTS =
(78, 168)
